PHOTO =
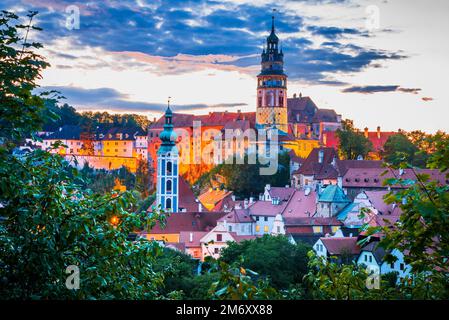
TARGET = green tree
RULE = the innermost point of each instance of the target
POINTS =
(352, 142)
(20, 67)
(48, 220)
(244, 178)
(238, 283)
(398, 148)
(272, 257)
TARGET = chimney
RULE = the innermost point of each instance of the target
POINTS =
(300, 94)
(325, 139)
(378, 132)
(245, 204)
(191, 237)
(200, 207)
(251, 200)
(320, 156)
(154, 119)
(267, 187)
(294, 95)
(233, 197)
(366, 132)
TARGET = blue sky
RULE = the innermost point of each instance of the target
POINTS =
(129, 56)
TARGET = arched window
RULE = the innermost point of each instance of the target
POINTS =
(169, 167)
(169, 186)
(168, 204)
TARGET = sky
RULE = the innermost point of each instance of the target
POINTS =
(379, 62)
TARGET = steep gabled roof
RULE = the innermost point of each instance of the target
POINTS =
(237, 216)
(325, 115)
(66, 132)
(333, 194)
(184, 237)
(323, 170)
(301, 107)
(377, 251)
(339, 246)
(188, 221)
(187, 199)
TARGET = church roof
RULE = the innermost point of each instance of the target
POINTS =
(333, 194)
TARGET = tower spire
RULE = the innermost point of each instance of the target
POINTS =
(272, 21)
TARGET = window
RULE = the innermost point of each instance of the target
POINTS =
(169, 186)
(216, 250)
(219, 237)
(230, 228)
(370, 258)
(169, 167)
(124, 150)
(265, 229)
(265, 219)
(366, 257)
(317, 229)
(168, 204)
(257, 228)
(257, 218)
(278, 229)
(402, 267)
(392, 265)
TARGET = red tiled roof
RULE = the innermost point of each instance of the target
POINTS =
(302, 107)
(237, 216)
(378, 202)
(187, 199)
(188, 221)
(344, 165)
(373, 178)
(325, 115)
(338, 246)
(211, 119)
(323, 170)
(266, 208)
(282, 193)
(377, 139)
(184, 237)
(301, 205)
(312, 221)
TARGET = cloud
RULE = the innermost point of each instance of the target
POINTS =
(180, 36)
(111, 99)
(377, 89)
(333, 33)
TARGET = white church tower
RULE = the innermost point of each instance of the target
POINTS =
(167, 167)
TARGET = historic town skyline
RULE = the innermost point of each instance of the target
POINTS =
(129, 56)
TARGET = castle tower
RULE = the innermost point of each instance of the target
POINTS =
(272, 87)
(167, 167)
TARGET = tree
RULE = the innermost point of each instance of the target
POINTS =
(244, 179)
(238, 283)
(399, 148)
(48, 220)
(272, 257)
(20, 67)
(352, 142)
(143, 177)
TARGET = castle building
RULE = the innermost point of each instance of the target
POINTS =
(272, 87)
(167, 167)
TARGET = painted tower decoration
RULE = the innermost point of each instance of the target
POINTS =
(272, 87)
(167, 167)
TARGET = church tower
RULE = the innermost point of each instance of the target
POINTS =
(272, 87)
(167, 167)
